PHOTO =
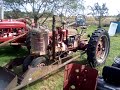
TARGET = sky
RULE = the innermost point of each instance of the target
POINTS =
(113, 5)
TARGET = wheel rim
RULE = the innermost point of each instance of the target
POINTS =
(40, 65)
(102, 49)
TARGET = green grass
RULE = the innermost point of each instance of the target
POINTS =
(8, 52)
(58, 78)
(55, 81)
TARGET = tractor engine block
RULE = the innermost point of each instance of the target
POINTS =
(39, 41)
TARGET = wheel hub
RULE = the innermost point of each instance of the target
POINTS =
(41, 65)
(100, 50)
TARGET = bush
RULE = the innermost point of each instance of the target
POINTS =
(106, 25)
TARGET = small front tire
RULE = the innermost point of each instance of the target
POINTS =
(39, 62)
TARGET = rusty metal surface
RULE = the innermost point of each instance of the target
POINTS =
(53, 38)
(80, 77)
(17, 37)
(12, 84)
(5, 78)
(39, 42)
(37, 73)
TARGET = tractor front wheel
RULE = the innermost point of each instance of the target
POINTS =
(27, 62)
(39, 62)
(98, 47)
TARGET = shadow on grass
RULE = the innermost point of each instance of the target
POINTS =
(11, 51)
(52, 74)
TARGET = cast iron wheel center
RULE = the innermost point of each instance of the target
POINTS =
(40, 65)
(100, 50)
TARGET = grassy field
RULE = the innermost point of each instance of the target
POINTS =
(55, 81)
(7, 53)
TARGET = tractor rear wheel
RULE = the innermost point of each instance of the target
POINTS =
(39, 62)
(27, 62)
(98, 47)
(28, 41)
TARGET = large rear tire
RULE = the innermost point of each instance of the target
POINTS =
(98, 47)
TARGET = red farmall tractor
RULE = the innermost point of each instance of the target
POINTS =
(13, 31)
(59, 43)
(51, 50)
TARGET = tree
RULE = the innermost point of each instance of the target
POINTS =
(14, 13)
(69, 7)
(118, 17)
(40, 7)
(99, 12)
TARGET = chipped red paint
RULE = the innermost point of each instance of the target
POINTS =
(80, 77)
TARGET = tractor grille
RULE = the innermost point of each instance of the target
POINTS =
(39, 42)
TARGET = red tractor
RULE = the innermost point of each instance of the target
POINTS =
(58, 44)
(50, 51)
(12, 31)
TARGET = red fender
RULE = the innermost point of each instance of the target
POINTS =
(80, 77)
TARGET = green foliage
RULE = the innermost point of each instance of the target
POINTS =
(118, 17)
(43, 8)
(8, 52)
(99, 12)
(14, 13)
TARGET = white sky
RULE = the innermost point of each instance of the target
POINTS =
(113, 5)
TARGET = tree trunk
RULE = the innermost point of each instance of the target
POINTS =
(99, 23)
(35, 21)
(61, 18)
